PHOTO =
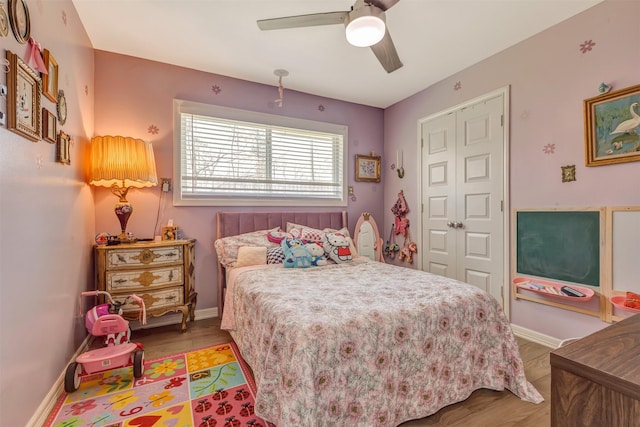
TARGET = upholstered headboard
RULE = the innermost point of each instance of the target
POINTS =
(234, 223)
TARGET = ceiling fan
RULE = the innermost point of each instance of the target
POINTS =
(365, 26)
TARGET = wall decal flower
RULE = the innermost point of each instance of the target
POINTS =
(216, 89)
(153, 130)
(587, 46)
(457, 86)
(321, 108)
(549, 149)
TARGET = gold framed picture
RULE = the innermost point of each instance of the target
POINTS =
(612, 127)
(368, 168)
(63, 148)
(49, 126)
(50, 80)
(23, 98)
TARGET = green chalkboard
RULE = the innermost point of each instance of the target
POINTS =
(561, 245)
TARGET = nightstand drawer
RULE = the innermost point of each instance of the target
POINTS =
(154, 300)
(144, 257)
(151, 278)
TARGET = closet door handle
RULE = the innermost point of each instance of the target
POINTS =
(458, 224)
(451, 224)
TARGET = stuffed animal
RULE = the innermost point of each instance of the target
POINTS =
(296, 255)
(337, 247)
(407, 252)
(317, 254)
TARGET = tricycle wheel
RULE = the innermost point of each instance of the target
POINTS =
(138, 363)
(72, 377)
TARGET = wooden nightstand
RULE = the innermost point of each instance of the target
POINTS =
(161, 273)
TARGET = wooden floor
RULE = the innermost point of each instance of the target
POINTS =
(484, 408)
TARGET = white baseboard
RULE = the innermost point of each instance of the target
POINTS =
(535, 337)
(40, 416)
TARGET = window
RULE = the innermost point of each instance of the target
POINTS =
(225, 156)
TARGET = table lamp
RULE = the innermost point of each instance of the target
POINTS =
(122, 163)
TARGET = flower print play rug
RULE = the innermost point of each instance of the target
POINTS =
(210, 387)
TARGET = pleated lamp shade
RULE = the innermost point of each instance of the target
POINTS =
(122, 161)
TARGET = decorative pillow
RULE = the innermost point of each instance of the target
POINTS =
(337, 247)
(311, 234)
(296, 254)
(345, 231)
(275, 255)
(251, 255)
(291, 226)
(318, 256)
(277, 236)
(227, 247)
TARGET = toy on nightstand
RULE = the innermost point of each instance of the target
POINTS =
(105, 320)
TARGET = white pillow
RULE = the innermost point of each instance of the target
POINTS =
(251, 255)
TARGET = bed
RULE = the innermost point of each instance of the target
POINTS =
(359, 342)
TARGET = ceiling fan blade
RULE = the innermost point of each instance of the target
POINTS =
(328, 18)
(382, 4)
(386, 53)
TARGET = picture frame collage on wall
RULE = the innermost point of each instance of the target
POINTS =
(612, 127)
(27, 116)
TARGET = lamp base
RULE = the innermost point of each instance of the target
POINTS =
(123, 212)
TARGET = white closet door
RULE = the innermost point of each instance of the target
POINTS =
(439, 195)
(462, 185)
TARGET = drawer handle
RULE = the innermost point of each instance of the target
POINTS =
(146, 256)
(170, 297)
(120, 281)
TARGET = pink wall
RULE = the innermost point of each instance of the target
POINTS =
(134, 95)
(549, 77)
(46, 224)
(48, 214)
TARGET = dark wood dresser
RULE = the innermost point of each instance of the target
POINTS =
(595, 381)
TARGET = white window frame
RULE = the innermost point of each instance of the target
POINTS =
(180, 106)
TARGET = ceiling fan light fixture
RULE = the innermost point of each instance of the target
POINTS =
(366, 26)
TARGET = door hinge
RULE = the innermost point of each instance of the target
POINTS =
(501, 205)
(501, 119)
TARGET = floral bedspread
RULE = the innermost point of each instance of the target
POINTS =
(369, 344)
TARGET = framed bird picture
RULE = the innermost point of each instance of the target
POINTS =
(612, 127)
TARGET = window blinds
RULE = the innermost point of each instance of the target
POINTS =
(225, 158)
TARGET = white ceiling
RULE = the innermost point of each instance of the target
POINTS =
(434, 39)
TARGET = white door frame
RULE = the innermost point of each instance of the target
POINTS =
(506, 253)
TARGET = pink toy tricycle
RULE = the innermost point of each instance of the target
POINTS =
(105, 320)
